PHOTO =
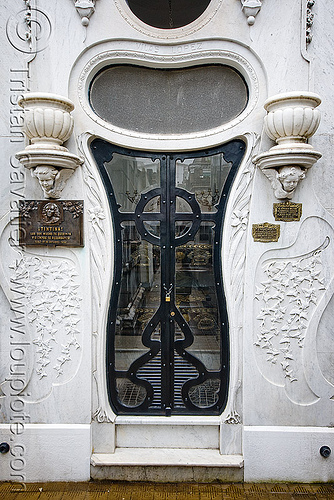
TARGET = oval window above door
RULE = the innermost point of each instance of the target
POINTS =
(168, 101)
(168, 14)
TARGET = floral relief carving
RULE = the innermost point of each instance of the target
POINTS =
(97, 231)
(101, 416)
(309, 20)
(52, 305)
(27, 20)
(235, 248)
(74, 207)
(233, 418)
(101, 275)
(288, 296)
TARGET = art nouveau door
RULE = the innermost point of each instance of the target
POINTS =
(167, 330)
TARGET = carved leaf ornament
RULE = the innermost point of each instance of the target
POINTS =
(288, 295)
(52, 305)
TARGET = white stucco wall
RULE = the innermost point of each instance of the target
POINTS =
(280, 408)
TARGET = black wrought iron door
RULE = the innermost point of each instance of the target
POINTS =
(167, 334)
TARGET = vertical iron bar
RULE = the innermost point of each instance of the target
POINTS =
(167, 275)
(164, 239)
(171, 180)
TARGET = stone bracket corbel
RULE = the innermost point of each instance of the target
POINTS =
(251, 8)
(85, 9)
(48, 124)
(292, 118)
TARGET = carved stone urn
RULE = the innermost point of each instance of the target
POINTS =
(48, 124)
(47, 120)
(292, 118)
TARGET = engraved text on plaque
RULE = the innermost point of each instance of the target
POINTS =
(266, 232)
(287, 211)
(51, 222)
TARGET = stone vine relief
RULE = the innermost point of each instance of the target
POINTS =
(101, 274)
(309, 21)
(52, 307)
(287, 296)
(234, 268)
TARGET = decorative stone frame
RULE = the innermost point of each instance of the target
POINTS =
(173, 34)
(169, 56)
(89, 126)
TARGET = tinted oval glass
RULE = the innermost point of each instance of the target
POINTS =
(168, 14)
(168, 101)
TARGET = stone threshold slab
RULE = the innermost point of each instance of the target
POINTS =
(166, 457)
(172, 420)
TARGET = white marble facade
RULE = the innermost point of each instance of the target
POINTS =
(54, 410)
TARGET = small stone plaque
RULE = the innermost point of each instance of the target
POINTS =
(287, 211)
(51, 222)
(266, 232)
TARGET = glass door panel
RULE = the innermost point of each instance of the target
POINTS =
(130, 176)
(167, 337)
(196, 296)
(205, 177)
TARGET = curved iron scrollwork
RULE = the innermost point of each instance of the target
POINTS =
(162, 362)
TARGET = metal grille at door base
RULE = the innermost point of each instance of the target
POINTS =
(203, 395)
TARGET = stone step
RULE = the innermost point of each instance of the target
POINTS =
(167, 465)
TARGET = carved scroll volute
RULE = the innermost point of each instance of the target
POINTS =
(48, 124)
(292, 118)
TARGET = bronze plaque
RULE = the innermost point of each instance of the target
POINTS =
(287, 211)
(266, 232)
(51, 222)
